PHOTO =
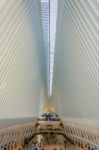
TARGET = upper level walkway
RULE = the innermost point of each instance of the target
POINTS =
(17, 134)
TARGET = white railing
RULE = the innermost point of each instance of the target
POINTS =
(13, 135)
(83, 137)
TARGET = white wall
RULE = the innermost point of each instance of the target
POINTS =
(76, 69)
(22, 70)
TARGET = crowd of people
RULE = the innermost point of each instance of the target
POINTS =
(38, 147)
(49, 117)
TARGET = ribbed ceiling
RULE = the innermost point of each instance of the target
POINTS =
(76, 70)
(22, 74)
(31, 30)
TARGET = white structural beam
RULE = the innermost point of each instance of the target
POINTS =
(22, 67)
(76, 68)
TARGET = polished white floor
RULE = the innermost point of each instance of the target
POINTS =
(52, 147)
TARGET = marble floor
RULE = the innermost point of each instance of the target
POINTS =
(56, 147)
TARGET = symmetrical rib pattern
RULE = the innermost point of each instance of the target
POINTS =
(76, 71)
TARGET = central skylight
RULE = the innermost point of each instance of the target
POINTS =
(49, 19)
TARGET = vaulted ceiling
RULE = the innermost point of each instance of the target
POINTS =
(37, 35)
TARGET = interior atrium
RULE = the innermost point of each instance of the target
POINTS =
(49, 74)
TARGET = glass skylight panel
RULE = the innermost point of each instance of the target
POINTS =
(53, 20)
(49, 17)
(45, 22)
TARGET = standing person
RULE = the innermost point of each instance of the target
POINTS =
(65, 142)
(60, 147)
(37, 147)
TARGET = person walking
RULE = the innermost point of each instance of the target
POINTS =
(60, 147)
